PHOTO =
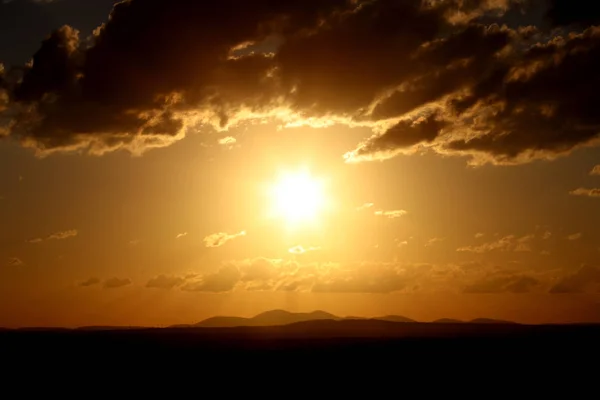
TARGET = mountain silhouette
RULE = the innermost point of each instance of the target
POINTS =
(394, 318)
(447, 321)
(490, 321)
(268, 318)
(282, 317)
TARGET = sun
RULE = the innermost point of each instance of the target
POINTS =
(298, 197)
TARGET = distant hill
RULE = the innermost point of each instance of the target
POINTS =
(490, 321)
(268, 318)
(447, 321)
(282, 317)
(110, 328)
(394, 318)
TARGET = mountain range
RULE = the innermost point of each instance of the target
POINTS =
(282, 317)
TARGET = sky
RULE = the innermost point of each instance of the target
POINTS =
(162, 162)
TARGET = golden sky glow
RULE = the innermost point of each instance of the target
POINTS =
(189, 159)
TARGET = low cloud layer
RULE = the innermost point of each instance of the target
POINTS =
(263, 274)
(586, 278)
(452, 76)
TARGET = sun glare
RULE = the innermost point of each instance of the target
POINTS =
(297, 197)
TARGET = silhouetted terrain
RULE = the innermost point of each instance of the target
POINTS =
(341, 352)
(281, 317)
(307, 352)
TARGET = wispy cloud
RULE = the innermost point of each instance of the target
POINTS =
(228, 141)
(391, 214)
(433, 241)
(302, 250)
(219, 239)
(589, 192)
(574, 236)
(364, 206)
(90, 282)
(479, 235)
(506, 243)
(181, 235)
(595, 170)
(15, 262)
(62, 235)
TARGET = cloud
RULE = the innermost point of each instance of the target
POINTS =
(503, 284)
(181, 235)
(365, 206)
(115, 283)
(479, 235)
(165, 282)
(595, 192)
(62, 235)
(572, 12)
(546, 235)
(227, 141)
(574, 236)
(90, 282)
(595, 170)
(219, 239)
(302, 250)
(433, 241)
(391, 214)
(579, 281)
(223, 280)
(506, 243)
(442, 75)
(281, 275)
(15, 262)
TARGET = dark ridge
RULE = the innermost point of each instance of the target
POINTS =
(394, 318)
(490, 321)
(447, 321)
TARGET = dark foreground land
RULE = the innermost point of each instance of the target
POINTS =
(411, 353)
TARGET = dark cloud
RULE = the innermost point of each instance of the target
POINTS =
(115, 283)
(165, 282)
(573, 12)
(579, 281)
(90, 282)
(447, 75)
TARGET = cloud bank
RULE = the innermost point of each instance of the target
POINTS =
(452, 76)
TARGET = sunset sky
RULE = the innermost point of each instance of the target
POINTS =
(165, 161)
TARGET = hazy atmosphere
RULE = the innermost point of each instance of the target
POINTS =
(162, 162)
